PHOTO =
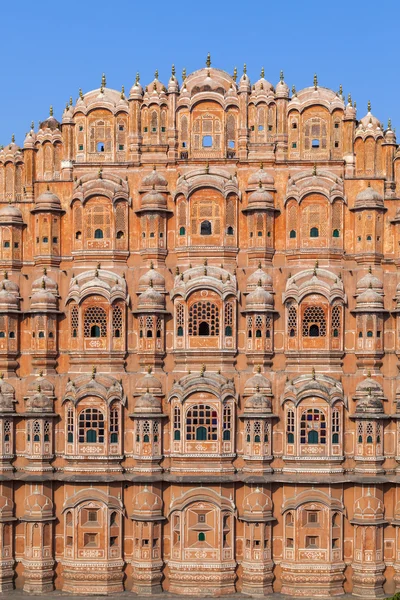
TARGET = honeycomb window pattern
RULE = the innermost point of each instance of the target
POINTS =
(292, 321)
(203, 317)
(91, 426)
(117, 321)
(314, 316)
(202, 423)
(95, 315)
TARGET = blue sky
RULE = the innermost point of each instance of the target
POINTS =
(51, 49)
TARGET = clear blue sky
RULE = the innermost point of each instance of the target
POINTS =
(51, 49)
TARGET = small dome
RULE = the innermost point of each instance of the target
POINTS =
(48, 201)
(50, 123)
(6, 508)
(370, 299)
(154, 199)
(8, 300)
(257, 383)
(260, 198)
(370, 385)
(257, 505)
(369, 198)
(7, 396)
(39, 403)
(147, 403)
(46, 387)
(38, 506)
(44, 300)
(147, 504)
(258, 404)
(369, 281)
(152, 277)
(11, 214)
(45, 282)
(262, 177)
(255, 278)
(369, 507)
(151, 299)
(154, 179)
(259, 298)
(136, 91)
(282, 89)
(148, 382)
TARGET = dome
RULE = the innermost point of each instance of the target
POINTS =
(38, 506)
(370, 299)
(10, 285)
(257, 382)
(369, 507)
(6, 508)
(47, 201)
(154, 179)
(369, 281)
(262, 177)
(257, 404)
(147, 403)
(255, 278)
(282, 89)
(46, 387)
(259, 298)
(257, 506)
(148, 382)
(154, 200)
(369, 397)
(262, 85)
(39, 402)
(152, 277)
(44, 300)
(151, 300)
(147, 504)
(49, 284)
(7, 396)
(50, 122)
(136, 91)
(260, 198)
(369, 198)
(370, 385)
(11, 214)
(8, 300)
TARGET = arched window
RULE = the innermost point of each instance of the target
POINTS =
(335, 233)
(91, 426)
(95, 322)
(70, 425)
(98, 234)
(229, 231)
(205, 228)
(180, 331)
(292, 234)
(46, 431)
(203, 318)
(290, 426)
(313, 427)
(292, 321)
(117, 321)
(370, 334)
(74, 321)
(202, 536)
(204, 418)
(314, 322)
(227, 423)
(228, 331)
(36, 431)
(335, 426)
(314, 233)
(182, 231)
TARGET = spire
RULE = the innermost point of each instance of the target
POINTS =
(137, 79)
(51, 111)
(340, 90)
(70, 100)
(156, 74)
(173, 71)
(244, 69)
(315, 81)
(103, 81)
(262, 74)
(369, 106)
(208, 61)
(389, 123)
(281, 77)
(33, 125)
(13, 138)
(234, 76)
(80, 94)
(183, 74)
(349, 100)
(123, 93)
(294, 93)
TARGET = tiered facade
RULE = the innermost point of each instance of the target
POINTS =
(200, 342)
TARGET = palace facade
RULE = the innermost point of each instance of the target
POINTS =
(200, 344)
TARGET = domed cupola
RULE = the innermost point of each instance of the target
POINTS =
(259, 299)
(257, 506)
(369, 123)
(244, 83)
(282, 89)
(369, 198)
(50, 123)
(30, 139)
(151, 300)
(136, 91)
(257, 276)
(154, 200)
(148, 383)
(48, 202)
(147, 404)
(7, 396)
(152, 275)
(38, 507)
(155, 180)
(259, 199)
(369, 397)
(261, 176)
(44, 294)
(262, 87)
(11, 215)
(147, 506)
(369, 281)
(173, 85)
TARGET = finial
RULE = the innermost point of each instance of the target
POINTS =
(316, 264)
(98, 266)
(389, 124)
(369, 106)
(208, 61)
(370, 269)
(262, 74)
(340, 90)
(315, 81)
(123, 92)
(39, 388)
(94, 371)
(369, 184)
(1, 375)
(177, 271)
(137, 79)
(33, 125)
(203, 368)
(70, 100)
(281, 76)
(368, 373)
(103, 81)
(149, 369)
(205, 262)
(100, 174)
(244, 69)
(5, 274)
(173, 71)
(294, 93)
(13, 138)
(151, 283)
(355, 104)
(234, 76)
(314, 172)
(259, 264)
(51, 111)
(259, 283)
(43, 284)
(151, 265)
(349, 100)
(183, 74)
(207, 167)
(80, 94)
(258, 369)
(313, 373)
(156, 74)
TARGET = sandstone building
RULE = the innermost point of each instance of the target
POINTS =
(199, 343)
